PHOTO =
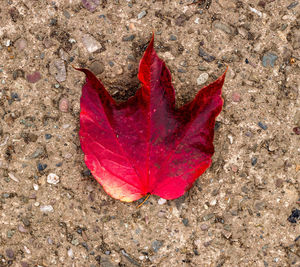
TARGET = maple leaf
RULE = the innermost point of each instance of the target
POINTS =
(145, 145)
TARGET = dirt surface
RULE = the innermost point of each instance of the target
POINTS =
(244, 211)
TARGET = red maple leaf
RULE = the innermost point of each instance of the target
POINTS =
(146, 145)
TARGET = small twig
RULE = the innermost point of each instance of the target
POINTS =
(146, 198)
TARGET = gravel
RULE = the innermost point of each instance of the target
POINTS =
(203, 77)
(90, 43)
(58, 70)
(33, 77)
(52, 178)
(91, 5)
(269, 59)
(142, 14)
(46, 208)
(206, 56)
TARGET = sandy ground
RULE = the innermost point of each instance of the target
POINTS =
(237, 212)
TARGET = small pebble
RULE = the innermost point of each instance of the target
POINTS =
(70, 253)
(63, 54)
(213, 202)
(47, 42)
(10, 253)
(223, 27)
(204, 227)
(91, 5)
(18, 73)
(66, 14)
(90, 43)
(22, 229)
(262, 125)
(173, 37)
(279, 182)
(292, 5)
(142, 14)
(27, 250)
(295, 216)
(58, 70)
(64, 105)
(41, 167)
(52, 178)
(185, 222)
(10, 233)
(202, 68)
(156, 245)
(46, 208)
(35, 187)
(161, 201)
(206, 56)
(7, 43)
(13, 177)
(97, 67)
(33, 77)
(128, 38)
(253, 161)
(37, 153)
(15, 96)
(255, 11)
(75, 242)
(269, 59)
(53, 22)
(48, 136)
(181, 19)
(21, 44)
(296, 130)
(182, 70)
(236, 97)
(202, 78)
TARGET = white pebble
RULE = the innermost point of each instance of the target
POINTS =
(46, 208)
(36, 204)
(141, 258)
(11, 176)
(90, 43)
(197, 20)
(35, 187)
(213, 202)
(70, 253)
(7, 43)
(230, 137)
(52, 178)
(255, 11)
(27, 250)
(202, 78)
(162, 201)
(142, 14)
